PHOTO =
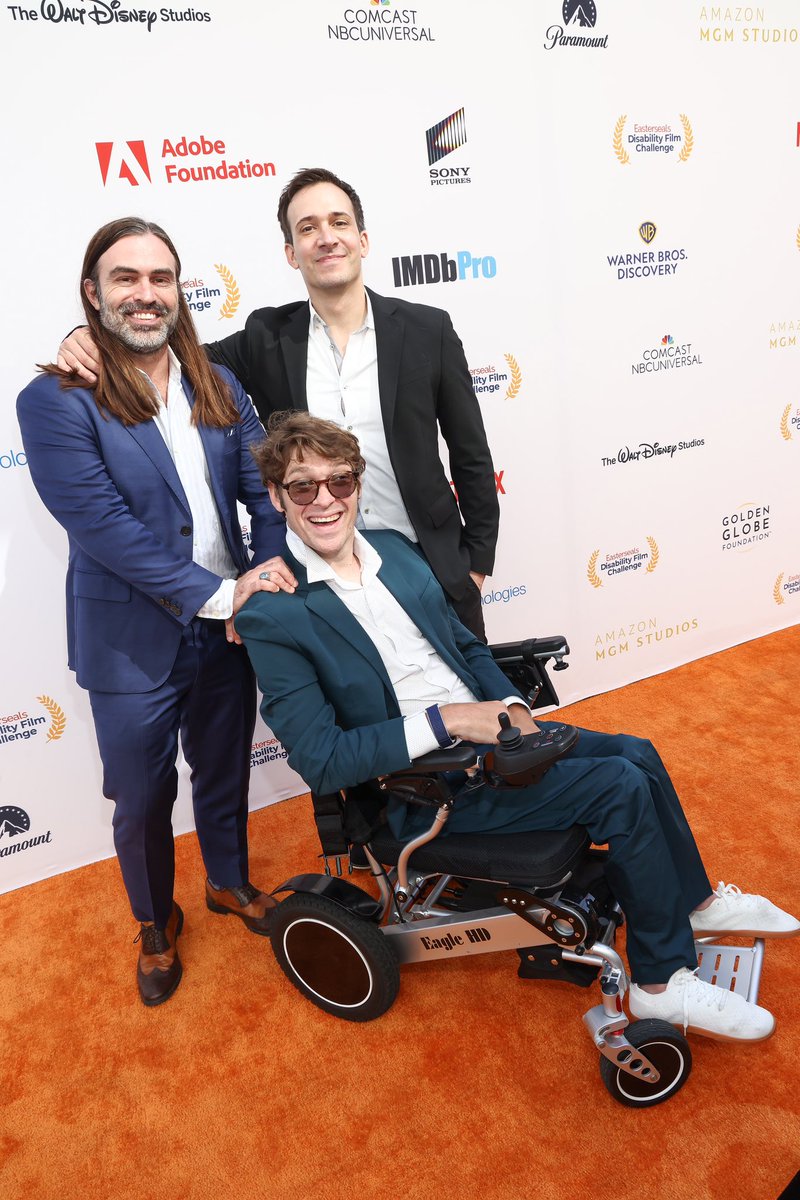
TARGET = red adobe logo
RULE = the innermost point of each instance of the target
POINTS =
(133, 166)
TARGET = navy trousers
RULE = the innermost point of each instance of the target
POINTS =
(210, 699)
(618, 787)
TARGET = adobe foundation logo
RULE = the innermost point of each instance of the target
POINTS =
(123, 160)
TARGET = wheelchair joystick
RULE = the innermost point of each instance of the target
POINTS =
(509, 737)
(521, 760)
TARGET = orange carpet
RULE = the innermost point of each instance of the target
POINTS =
(474, 1084)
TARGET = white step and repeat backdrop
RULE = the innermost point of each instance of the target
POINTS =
(603, 195)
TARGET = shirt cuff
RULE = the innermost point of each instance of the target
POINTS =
(219, 606)
(420, 738)
(509, 700)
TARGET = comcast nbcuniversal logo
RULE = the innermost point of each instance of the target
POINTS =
(620, 562)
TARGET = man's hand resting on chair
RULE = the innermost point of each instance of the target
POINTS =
(479, 722)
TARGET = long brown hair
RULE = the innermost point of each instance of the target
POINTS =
(121, 388)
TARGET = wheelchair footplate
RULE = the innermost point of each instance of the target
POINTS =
(734, 968)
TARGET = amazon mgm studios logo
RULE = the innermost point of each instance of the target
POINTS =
(15, 825)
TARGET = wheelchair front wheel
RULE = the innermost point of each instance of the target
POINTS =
(339, 961)
(667, 1049)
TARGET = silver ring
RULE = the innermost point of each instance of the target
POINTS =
(264, 575)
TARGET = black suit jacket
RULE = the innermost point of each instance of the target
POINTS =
(425, 387)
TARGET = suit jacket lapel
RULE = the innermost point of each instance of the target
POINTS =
(389, 340)
(294, 346)
(149, 438)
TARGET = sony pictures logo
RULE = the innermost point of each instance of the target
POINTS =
(578, 16)
(442, 139)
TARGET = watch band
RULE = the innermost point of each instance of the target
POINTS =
(438, 727)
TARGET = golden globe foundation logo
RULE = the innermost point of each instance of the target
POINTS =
(622, 562)
(186, 159)
(783, 335)
(663, 140)
(790, 423)
(786, 587)
(207, 294)
(645, 264)
(742, 24)
(642, 634)
(268, 751)
(493, 379)
(23, 725)
(745, 527)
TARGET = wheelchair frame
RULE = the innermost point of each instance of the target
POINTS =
(349, 967)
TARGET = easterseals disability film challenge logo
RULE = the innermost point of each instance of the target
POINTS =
(743, 24)
(491, 379)
(644, 140)
(15, 825)
(667, 355)
(647, 264)
(786, 587)
(207, 294)
(22, 726)
(790, 423)
(186, 159)
(747, 525)
(268, 751)
(380, 21)
(89, 14)
(578, 30)
(602, 567)
(442, 139)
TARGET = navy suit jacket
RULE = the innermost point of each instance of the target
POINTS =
(327, 695)
(424, 387)
(131, 583)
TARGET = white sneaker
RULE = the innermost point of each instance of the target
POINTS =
(702, 1008)
(734, 911)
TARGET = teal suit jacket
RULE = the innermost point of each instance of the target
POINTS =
(326, 693)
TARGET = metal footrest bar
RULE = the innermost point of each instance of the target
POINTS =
(735, 968)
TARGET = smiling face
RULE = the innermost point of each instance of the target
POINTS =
(327, 524)
(326, 246)
(136, 292)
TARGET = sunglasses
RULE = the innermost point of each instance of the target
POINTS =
(305, 491)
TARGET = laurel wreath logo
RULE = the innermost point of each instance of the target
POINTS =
(591, 573)
(232, 294)
(785, 431)
(797, 238)
(58, 720)
(688, 138)
(654, 555)
(619, 149)
(776, 591)
(516, 377)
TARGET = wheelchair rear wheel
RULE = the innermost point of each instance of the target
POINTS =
(339, 961)
(667, 1049)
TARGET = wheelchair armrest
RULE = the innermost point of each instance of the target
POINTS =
(457, 758)
(524, 665)
(530, 649)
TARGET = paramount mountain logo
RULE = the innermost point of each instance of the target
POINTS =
(14, 824)
(577, 15)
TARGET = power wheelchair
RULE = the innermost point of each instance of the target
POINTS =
(542, 894)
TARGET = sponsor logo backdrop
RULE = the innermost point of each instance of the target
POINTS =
(605, 201)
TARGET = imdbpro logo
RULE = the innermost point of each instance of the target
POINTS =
(447, 136)
(130, 164)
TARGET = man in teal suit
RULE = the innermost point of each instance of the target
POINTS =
(365, 668)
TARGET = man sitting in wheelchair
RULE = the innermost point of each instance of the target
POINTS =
(364, 668)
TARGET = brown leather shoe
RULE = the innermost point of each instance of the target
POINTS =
(159, 969)
(246, 902)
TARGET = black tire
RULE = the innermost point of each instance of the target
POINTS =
(339, 961)
(667, 1049)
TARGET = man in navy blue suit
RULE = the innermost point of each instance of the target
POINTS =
(144, 472)
(364, 667)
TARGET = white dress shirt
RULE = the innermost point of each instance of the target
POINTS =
(417, 673)
(343, 388)
(182, 437)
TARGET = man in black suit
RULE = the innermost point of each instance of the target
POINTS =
(391, 372)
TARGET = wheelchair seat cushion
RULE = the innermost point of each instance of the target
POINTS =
(540, 859)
